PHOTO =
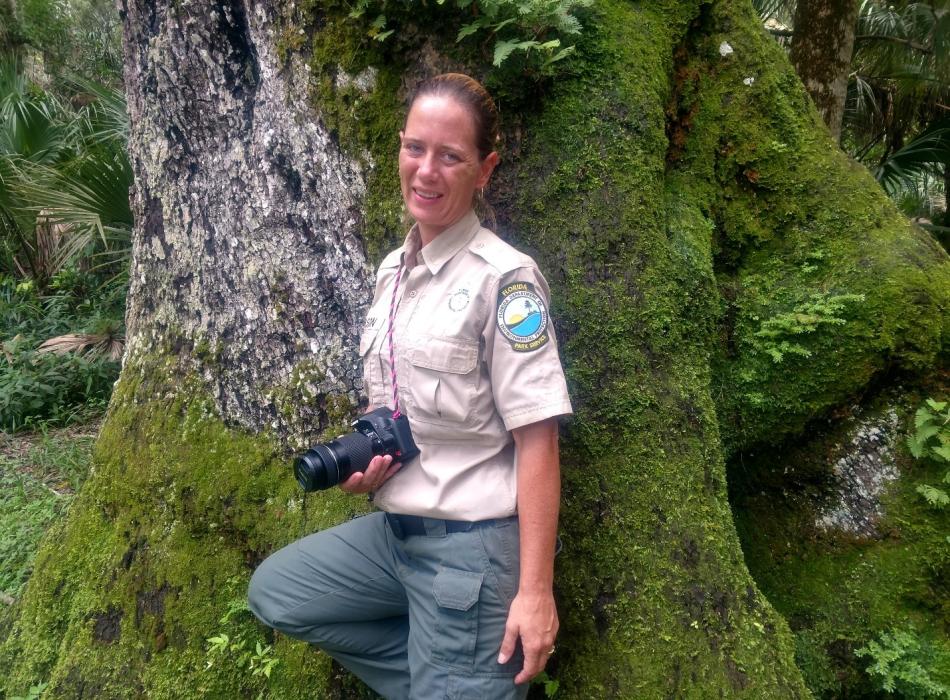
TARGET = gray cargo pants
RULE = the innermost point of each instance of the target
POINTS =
(417, 616)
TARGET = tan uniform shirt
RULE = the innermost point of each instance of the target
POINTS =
(475, 358)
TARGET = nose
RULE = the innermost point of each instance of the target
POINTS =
(427, 166)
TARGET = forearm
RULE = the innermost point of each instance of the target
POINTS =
(539, 493)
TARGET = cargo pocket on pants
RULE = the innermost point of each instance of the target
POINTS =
(456, 625)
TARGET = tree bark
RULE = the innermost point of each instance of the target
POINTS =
(821, 53)
(693, 223)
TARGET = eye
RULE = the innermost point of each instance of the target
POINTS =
(450, 157)
(413, 148)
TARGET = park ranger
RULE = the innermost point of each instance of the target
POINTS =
(447, 591)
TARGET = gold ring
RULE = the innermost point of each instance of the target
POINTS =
(551, 651)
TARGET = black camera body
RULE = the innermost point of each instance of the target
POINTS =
(375, 433)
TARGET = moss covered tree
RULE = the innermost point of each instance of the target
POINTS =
(722, 275)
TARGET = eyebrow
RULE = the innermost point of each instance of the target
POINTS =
(450, 146)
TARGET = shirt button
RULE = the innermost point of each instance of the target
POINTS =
(412, 294)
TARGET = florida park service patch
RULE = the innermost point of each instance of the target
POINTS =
(522, 317)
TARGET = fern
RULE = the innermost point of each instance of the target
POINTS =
(930, 439)
(778, 336)
(901, 662)
(524, 26)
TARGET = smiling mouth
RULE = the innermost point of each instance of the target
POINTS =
(425, 194)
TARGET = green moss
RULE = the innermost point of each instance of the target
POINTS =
(840, 592)
(655, 598)
(159, 544)
(794, 221)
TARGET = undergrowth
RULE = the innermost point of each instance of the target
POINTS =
(38, 478)
(55, 387)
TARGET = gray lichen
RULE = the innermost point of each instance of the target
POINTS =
(861, 476)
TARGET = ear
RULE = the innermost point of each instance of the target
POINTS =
(486, 168)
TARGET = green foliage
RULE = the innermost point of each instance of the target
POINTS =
(899, 83)
(27, 507)
(523, 26)
(78, 37)
(904, 663)
(34, 693)
(819, 310)
(550, 685)
(243, 648)
(35, 490)
(65, 178)
(49, 386)
(926, 154)
(837, 590)
(175, 519)
(931, 440)
(57, 387)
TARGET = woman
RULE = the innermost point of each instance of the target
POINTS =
(448, 591)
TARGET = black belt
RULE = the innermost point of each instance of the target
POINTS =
(404, 526)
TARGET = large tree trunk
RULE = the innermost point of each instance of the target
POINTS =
(821, 53)
(701, 239)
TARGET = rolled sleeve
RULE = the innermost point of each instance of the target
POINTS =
(526, 374)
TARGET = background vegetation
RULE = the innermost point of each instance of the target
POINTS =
(64, 235)
(897, 111)
(64, 238)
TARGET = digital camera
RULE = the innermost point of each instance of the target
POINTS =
(376, 433)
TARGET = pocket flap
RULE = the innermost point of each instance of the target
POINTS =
(370, 330)
(445, 355)
(366, 340)
(456, 589)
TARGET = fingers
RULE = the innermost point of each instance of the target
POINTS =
(379, 469)
(533, 619)
(534, 661)
(508, 644)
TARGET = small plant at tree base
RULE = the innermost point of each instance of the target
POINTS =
(931, 440)
(550, 685)
(33, 693)
(243, 648)
(260, 661)
(901, 662)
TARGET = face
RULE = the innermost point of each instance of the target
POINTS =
(439, 164)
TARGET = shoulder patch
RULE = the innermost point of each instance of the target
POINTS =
(522, 317)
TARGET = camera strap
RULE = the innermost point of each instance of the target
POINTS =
(392, 354)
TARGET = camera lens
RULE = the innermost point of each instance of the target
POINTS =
(323, 466)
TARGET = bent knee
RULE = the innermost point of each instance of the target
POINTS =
(261, 598)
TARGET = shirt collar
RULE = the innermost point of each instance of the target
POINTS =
(443, 247)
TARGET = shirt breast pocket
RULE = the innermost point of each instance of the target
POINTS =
(375, 385)
(443, 381)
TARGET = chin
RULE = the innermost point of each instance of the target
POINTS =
(427, 218)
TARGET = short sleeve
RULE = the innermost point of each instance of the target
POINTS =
(526, 374)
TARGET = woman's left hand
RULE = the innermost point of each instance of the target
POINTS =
(533, 618)
(533, 615)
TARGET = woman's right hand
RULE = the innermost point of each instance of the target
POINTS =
(378, 471)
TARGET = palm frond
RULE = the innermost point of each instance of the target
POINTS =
(927, 153)
(781, 10)
(96, 344)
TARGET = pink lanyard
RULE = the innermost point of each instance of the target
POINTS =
(392, 354)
